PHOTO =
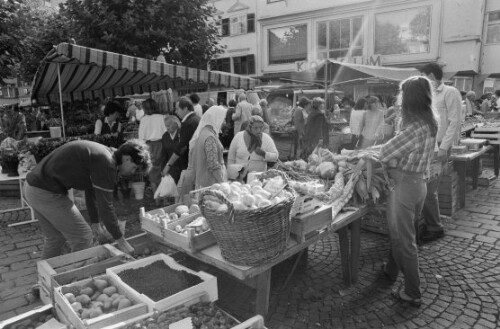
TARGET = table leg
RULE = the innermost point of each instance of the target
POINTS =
(496, 155)
(355, 246)
(24, 205)
(460, 167)
(263, 287)
(475, 172)
(344, 255)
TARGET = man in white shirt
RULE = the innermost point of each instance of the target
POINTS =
(198, 109)
(447, 102)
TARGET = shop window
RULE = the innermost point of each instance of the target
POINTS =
(490, 85)
(403, 32)
(221, 64)
(462, 83)
(287, 44)
(340, 38)
(493, 31)
(244, 64)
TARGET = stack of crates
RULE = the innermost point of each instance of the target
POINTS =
(448, 193)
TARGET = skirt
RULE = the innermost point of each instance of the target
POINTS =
(155, 149)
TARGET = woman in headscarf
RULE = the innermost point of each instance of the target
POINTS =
(252, 148)
(207, 151)
(316, 127)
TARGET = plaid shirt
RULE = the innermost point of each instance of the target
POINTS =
(413, 148)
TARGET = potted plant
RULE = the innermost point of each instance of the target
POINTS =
(43, 147)
(54, 125)
(9, 160)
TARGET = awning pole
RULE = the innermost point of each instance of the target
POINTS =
(60, 98)
(326, 86)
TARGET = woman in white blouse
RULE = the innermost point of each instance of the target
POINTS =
(151, 129)
(252, 148)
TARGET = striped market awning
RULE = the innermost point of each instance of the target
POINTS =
(88, 73)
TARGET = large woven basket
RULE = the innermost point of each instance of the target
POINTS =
(250, 237)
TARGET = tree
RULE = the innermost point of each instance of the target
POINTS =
(420, 24)
(387, 40)
(27, 32)
(144, 28)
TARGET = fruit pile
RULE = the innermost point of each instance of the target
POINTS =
(200, 225)
(203, 316)
(158, 280)
(180, 212)
(96, 299)
(256, 194)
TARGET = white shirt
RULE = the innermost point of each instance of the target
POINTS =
(238, 153)
(448, 103)
(152, 127)
(198, 110)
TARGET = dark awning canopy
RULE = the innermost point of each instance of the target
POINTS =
(88, 73)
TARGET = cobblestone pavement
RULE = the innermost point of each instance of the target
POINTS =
(460, 277)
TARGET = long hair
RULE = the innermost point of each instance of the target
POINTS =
(150, 107)
(417, 102)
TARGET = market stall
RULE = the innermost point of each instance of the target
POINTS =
(70, 72)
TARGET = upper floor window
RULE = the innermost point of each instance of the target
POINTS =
(236, 25)
(340, 38)
(403, 32)
(287, 44)
(493, 32)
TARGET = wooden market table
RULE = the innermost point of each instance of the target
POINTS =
(461, 161)
(259, 277)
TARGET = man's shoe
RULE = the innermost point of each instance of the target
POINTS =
(431, 236)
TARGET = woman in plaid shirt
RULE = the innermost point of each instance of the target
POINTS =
(412, 150)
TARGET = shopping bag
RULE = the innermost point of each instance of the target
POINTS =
(166, 188)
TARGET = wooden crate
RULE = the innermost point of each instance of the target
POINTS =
(304, 204)
(255, 322)
(207, 286)
(66, 313)
(146, 246)
(90, 261)
(492, 134)
(448, 194)
(305, 225)
(30, 319)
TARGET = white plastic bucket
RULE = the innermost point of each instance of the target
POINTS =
(138, 188)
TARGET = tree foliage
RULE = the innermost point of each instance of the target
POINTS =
(27, 32)
(143, 28)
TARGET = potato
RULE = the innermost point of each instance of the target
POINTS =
(102, 298)
(95, 312)
(77, 307)
(110, 290)
(70, 297)
(114, 296)
(100, 284)
(87, 291)
(83, 299)
(124, 303)
(117, 300)
(107, 305)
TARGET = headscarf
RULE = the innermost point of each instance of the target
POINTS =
(255, 141)
(214, 117)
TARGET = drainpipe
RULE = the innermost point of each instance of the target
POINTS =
(481, 46)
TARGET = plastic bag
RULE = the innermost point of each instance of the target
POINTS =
(167, 187)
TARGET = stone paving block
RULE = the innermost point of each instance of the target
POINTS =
(460, 234)
(485, 239)
(19, 273)
(24, 244)
(10, 260)
(12, 304)
(22, 264)
(27, 280)
(21, 251)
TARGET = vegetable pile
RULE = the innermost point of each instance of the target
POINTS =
(203, 316)
(96, 299)
(157, 280)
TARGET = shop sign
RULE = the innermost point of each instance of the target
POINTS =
(25, 101)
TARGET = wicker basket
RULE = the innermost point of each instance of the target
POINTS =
(250, 237)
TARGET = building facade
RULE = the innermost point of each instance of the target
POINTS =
(291, 35)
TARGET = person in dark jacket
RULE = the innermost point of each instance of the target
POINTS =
(88, 166)
(189, 122)
(110, 124)
(316, 127)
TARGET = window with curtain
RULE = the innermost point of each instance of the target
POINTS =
(221, 64)
(403, 32)
(340, 38)
(462, 83)
(287, 44)
(493, 31)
